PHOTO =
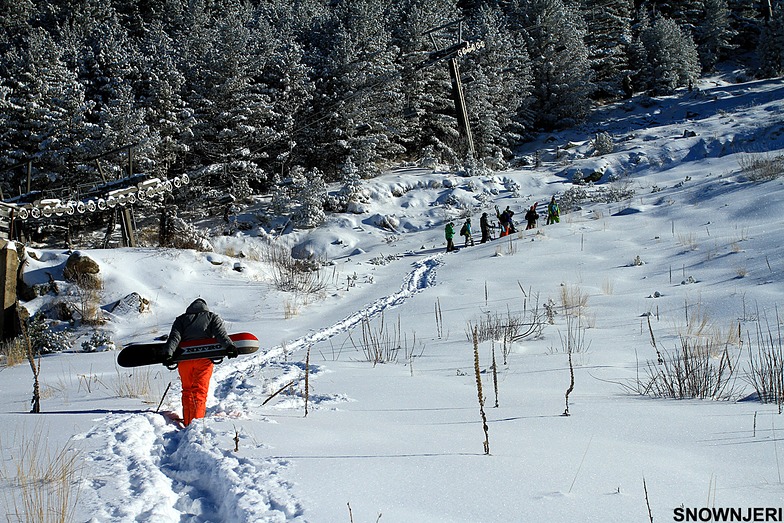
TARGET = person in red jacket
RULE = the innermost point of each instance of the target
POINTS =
(198, 322)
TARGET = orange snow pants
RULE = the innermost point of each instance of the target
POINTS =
(195, 376)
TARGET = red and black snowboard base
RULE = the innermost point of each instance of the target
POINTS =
(140, 354)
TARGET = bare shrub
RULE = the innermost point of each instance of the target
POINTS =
(510, 326)
(289, 274)
(88, 292)
(134, 383)
(290, 309)
(765, 371)
(688, 240)
(760, 168)
(45, 483)
(381, 344)
(698, 369)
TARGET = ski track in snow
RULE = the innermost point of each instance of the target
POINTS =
(145, 469)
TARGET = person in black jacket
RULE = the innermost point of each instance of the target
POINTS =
(484, 226)
(530, 217)
(198, 322)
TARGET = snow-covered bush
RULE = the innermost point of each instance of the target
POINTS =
(180, 234)
(386, 221)
(46, 337)
(602, 144)
(99, 341)
(352, 196)
(572, 198)
(512, 186)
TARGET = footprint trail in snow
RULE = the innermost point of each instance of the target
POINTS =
(144, 469)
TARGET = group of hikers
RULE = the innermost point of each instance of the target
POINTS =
(505, 222)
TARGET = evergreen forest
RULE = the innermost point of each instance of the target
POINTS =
(284, 96)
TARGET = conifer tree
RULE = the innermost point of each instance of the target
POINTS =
(160, 94)
(670, 55)
(230, 103)
(608, 37)
(112, 67)
(561, 74)
(44, 112)
(771, 46)
(357, 101)
(499, 87)
(714, 35)
(15, 17)
(311, 195)
(429, 130)
(746, 21)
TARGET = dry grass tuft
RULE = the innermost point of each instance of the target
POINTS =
(45, 483)
(573, 300)
(13, 351)
(135, 383)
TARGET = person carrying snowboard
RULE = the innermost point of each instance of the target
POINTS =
(484, 226)
(198, 322)
(449, 233)
(465, 231)
(531, 216)
(553, 212)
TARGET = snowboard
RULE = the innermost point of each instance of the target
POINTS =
(140, 354)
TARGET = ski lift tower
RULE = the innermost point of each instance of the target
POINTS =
(454, 31)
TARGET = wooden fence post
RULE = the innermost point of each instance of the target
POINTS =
(9, 263)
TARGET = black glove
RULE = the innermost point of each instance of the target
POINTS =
(164, 354)
(231, 351)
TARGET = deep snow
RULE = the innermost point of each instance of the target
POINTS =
(403, 441)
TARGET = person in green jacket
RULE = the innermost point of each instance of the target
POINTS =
(553, 212)
(449, 233)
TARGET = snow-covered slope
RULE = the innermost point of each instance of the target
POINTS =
(695, 248)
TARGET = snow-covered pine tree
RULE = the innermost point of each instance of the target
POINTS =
(112, 68)
(357, 101)
(687, 14)
(352, 194)
(231, 105)
(44, 113)
(311, 195)
(746, 21)
(671, 55)
(500, 86)
(160, 96)
(286, 77)
(608, 36)
(714, 34)
(771, 46)
(15, 17)
(562, 77)
(429, 129)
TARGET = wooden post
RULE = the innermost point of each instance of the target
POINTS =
(129, 238)
(460, 106)
(9, 264)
